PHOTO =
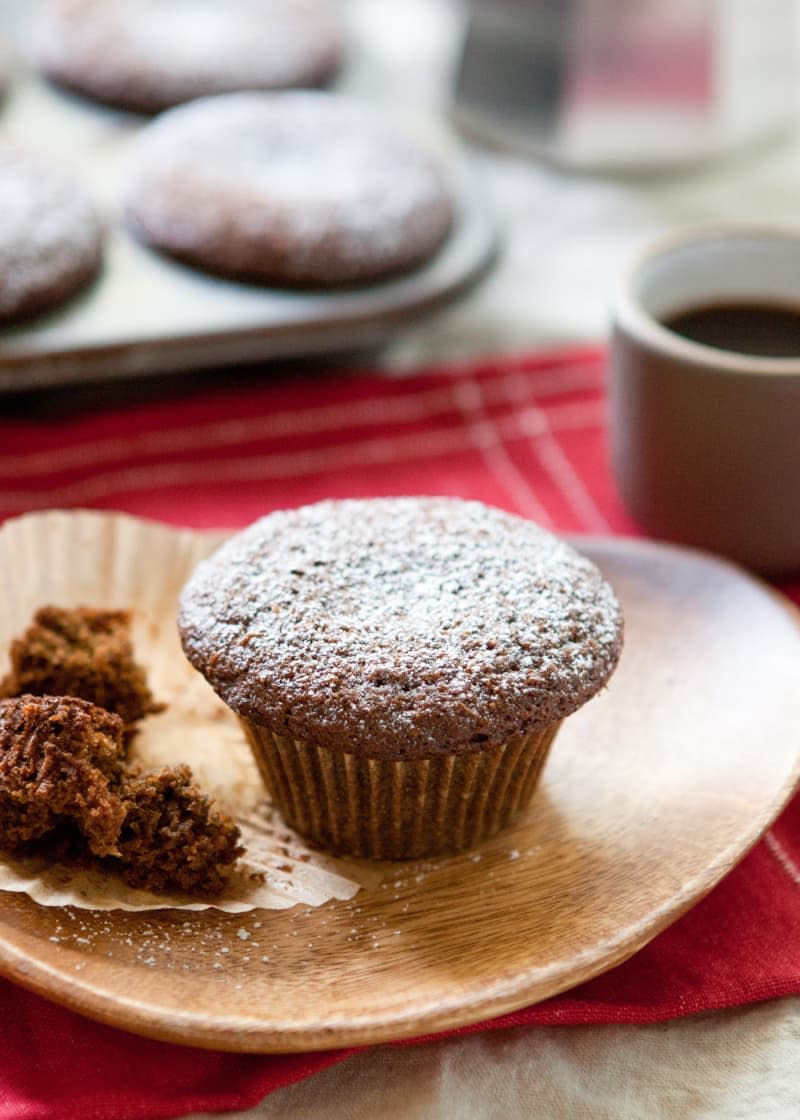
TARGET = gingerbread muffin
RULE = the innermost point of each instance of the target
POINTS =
(401, 666)
(304, 189)
(50, 235)
(147, 55)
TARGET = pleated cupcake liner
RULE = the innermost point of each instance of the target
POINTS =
(398, 809)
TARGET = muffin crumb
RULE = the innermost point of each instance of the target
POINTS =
(67, 793)
(172, 837)
(60, 764)
(81, 652)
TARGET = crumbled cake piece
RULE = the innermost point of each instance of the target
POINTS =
(67, 793)
(172, 837)
(60, 763)
(75, 694)
(81, 652)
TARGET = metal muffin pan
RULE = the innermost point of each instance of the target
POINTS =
(147, 314)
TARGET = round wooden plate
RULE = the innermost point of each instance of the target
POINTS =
(653, 792)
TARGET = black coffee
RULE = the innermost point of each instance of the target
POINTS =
(764, 330)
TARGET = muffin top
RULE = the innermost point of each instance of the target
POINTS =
(298, 188)
(400, 627)
(50, 235)
(146, 55)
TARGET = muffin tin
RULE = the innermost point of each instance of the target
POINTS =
(147, 314)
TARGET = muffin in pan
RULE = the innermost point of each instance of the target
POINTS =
(401, 665)
(147, 55)
(299, 189)
(50, 234)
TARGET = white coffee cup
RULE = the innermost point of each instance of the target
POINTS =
(705, 441)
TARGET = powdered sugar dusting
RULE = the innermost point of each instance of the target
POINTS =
(312, 187)
(400, 626)
(49, 233)
(154, 53)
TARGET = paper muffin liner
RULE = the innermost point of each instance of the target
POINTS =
(405, 809)
(82, 558)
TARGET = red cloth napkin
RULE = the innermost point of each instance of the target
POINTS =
(527, 434)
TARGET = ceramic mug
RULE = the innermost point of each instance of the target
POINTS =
(705, 441)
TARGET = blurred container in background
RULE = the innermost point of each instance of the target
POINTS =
(627, 84)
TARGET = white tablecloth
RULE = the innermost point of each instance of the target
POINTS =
(566, 238)
(743, 1064)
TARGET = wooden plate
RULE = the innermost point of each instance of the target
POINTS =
(653, 792)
